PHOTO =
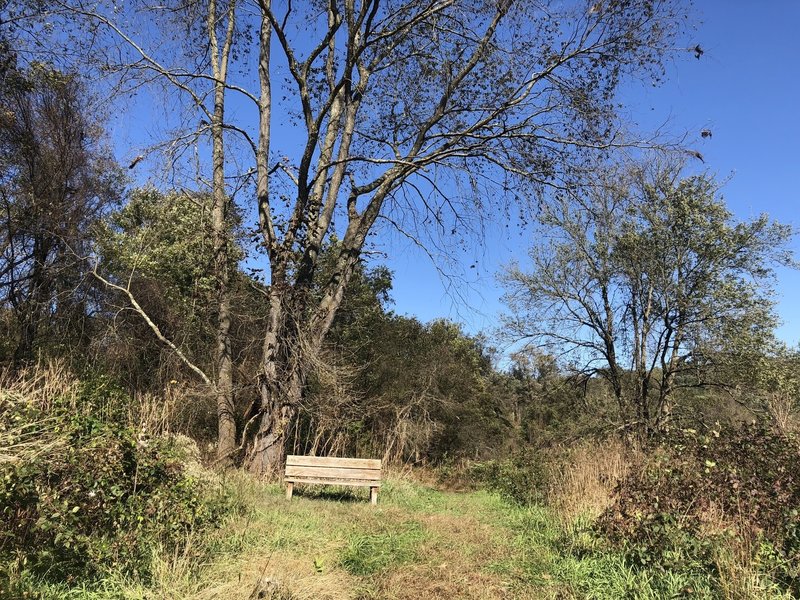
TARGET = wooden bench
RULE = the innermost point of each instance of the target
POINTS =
(364, 472)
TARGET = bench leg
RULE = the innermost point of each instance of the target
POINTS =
(373, 495)
(289, 490)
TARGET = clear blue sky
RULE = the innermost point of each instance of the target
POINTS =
(745, 89)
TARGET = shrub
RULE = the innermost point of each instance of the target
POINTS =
(97, 498)
(699, 491)
(521, 479)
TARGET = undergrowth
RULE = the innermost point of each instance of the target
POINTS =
(85, 496)
(724, 504)
(368, 554)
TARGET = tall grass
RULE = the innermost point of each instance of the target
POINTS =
(26, 440)
(89, 503)
(581, 480)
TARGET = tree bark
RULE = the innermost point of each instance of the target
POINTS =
(287, 349)
(280, 385)
(226, 421)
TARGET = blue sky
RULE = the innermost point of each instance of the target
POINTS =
(745, 89)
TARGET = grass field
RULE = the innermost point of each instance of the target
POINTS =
(417, 543)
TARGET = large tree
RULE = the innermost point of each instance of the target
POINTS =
(184, 50)
(647, 281)
(416, 111)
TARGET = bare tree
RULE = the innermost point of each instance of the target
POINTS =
(56, 181)
(404, 98)
(220, 47)
(425, 112)
(132, 52)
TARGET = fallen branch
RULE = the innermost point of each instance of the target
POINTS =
(155, 329)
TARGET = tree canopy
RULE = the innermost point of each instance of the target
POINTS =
(647, 281)
(57, 179)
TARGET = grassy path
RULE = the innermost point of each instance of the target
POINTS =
(417, 543)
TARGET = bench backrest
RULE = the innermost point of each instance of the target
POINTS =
(337, 471)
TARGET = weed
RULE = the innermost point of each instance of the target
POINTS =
(105, 503)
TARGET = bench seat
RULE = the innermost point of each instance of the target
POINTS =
(361, 472)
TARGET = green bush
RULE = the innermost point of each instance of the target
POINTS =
(101, 499)
(520, 479)
(699, 491)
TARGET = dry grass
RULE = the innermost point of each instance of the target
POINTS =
(40, 385)
(455, 554)
(36, 387)
(428, 581)
(742, 572)
(277, 574)
(583, 483)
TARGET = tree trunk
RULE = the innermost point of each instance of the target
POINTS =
(280, 387)
(282, 377)
(27, 333)
(279, 411)
(226, 422)
(30, 310)
(292, 337)
(664, 415)
(667, 386)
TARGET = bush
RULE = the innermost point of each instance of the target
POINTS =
(521, 479)
(699, 491)
(96, 497)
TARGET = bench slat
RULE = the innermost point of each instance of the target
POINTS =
(350, 482)
(328, 461)
(333, 472)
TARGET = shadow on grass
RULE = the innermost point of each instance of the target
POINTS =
(333, 494)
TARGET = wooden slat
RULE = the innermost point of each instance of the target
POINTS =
(333, 472)
(332, 461)
(350, 482)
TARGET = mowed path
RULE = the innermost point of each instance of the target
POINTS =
(417, 543)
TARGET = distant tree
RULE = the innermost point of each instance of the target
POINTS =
(388, 385)
(56, 180)
(530, 371)
(648, 282)
(429, 392)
